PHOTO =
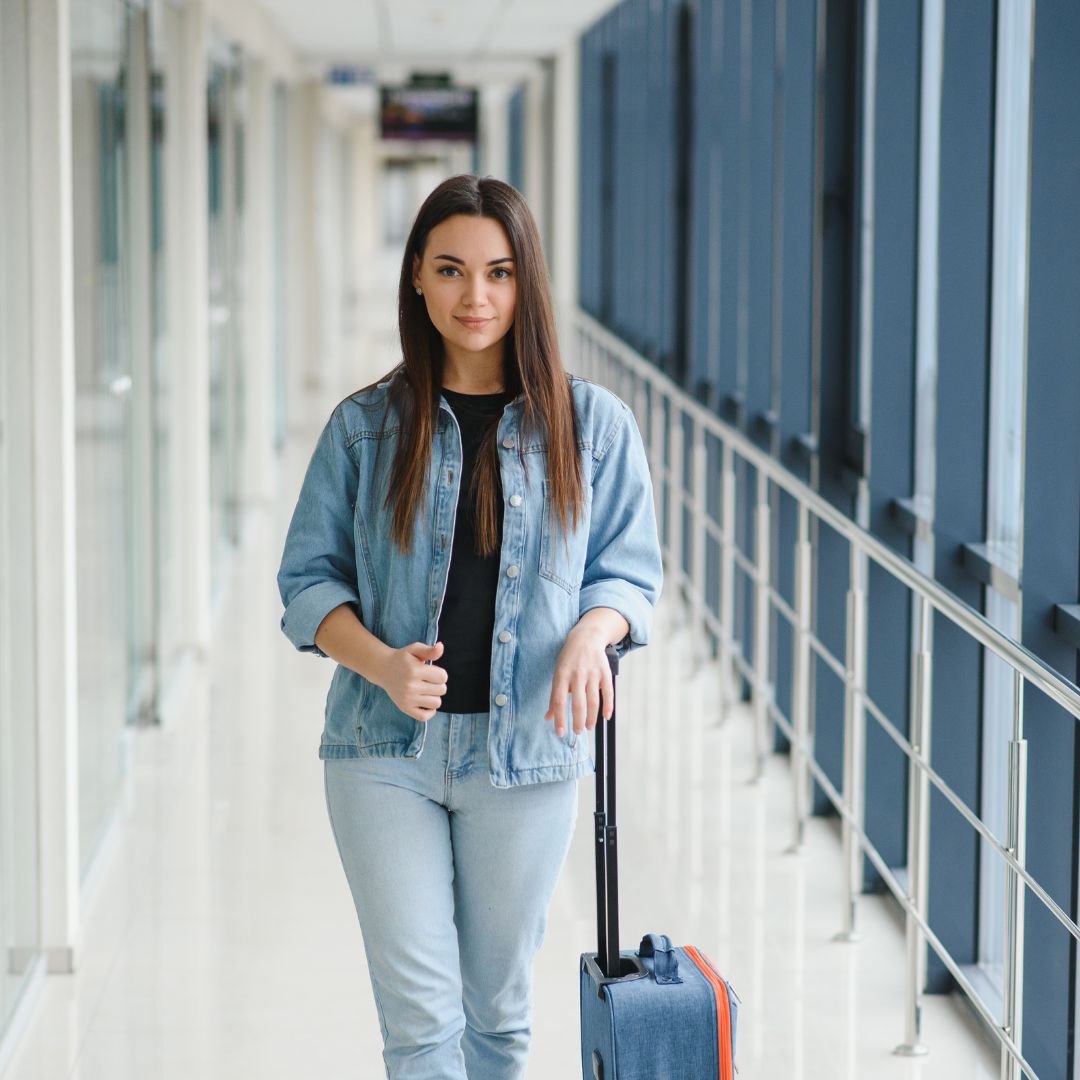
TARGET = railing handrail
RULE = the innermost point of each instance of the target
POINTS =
(1031, 667)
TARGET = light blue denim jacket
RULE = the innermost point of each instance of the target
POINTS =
(339, 550)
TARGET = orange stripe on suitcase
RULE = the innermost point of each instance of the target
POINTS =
(723, 1010)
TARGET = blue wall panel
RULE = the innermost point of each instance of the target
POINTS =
(960, 510)
(757, 136)
(896, 156)
(794, 224)
(837, 139)
(797, 225)
(702, 196)
(731, 150)
(1051, 553)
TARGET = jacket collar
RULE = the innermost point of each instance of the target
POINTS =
(397, 371)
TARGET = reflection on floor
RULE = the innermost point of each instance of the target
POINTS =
(221, 940)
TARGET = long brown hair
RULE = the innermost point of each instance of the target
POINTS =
(532, 367)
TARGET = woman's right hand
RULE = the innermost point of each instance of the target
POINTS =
(414, 686)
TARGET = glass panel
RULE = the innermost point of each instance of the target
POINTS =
(161, 25)
(103, 386)
(18, 773)
(217, 103)
(225, 156)
(280, 305)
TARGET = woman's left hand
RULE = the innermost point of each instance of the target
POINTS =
(582, 670)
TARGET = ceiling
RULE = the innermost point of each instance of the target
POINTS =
(473, 39)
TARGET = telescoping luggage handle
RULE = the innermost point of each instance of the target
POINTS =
(610, 965)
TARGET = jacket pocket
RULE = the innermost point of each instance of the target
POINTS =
(367, 580)
(562, 555)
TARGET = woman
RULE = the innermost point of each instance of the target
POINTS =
(472, 532)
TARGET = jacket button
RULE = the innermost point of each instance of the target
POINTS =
(515, 500)
(504, 635)
(508, 441)
(500, 699)
(511, 571)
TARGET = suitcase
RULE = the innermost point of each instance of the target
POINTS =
(662, 1012)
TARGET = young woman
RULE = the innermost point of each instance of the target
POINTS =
(471, 533)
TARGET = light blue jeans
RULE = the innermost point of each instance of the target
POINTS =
(452, 878)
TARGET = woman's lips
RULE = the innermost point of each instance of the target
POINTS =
(472, 324)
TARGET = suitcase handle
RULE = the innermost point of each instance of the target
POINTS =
(665, 961)
(607, 859)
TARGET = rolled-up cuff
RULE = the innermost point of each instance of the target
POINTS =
(628, 602)
(307, 610)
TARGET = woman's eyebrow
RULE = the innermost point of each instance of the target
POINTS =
(461, 262)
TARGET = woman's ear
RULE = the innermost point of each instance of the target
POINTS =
(415, 271)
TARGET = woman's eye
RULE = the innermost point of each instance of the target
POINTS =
(501, 270)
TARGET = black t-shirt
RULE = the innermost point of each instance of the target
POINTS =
(467, 619)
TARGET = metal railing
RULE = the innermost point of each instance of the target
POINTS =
(669, 410)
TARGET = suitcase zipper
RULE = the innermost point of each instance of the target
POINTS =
(723, 1009)
(731, 989)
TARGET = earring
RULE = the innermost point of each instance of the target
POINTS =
(419, 291)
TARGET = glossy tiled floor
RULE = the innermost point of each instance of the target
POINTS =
(220, 940)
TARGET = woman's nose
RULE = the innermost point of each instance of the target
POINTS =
(475, 292)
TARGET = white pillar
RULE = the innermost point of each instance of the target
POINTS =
(361, 249)
(566, 196)
(331, 226)
(367, 239)
(302, 361)
(142, 460)
(188, 298)
(52, 344)
(494, 137)
(259, 464)
(536, 151)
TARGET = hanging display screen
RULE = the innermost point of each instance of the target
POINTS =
(409, 112)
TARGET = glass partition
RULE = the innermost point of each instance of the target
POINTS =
(225, 134)
(100, 81)
(164, 29)
(19, 882)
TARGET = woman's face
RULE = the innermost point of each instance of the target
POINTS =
(468, 273)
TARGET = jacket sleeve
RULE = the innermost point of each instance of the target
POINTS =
(623, 565)
(318, 565)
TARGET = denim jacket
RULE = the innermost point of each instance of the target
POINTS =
(339, 549)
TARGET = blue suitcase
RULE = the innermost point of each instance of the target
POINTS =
(660, 1013)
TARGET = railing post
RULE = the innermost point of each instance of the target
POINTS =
(727, 581)
(639, 396)
(657, 442)
(918, 838)
(676, 492)
(854, 738)
(698, 465)
(800, 682)
(762, 607)
(1015, 841)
